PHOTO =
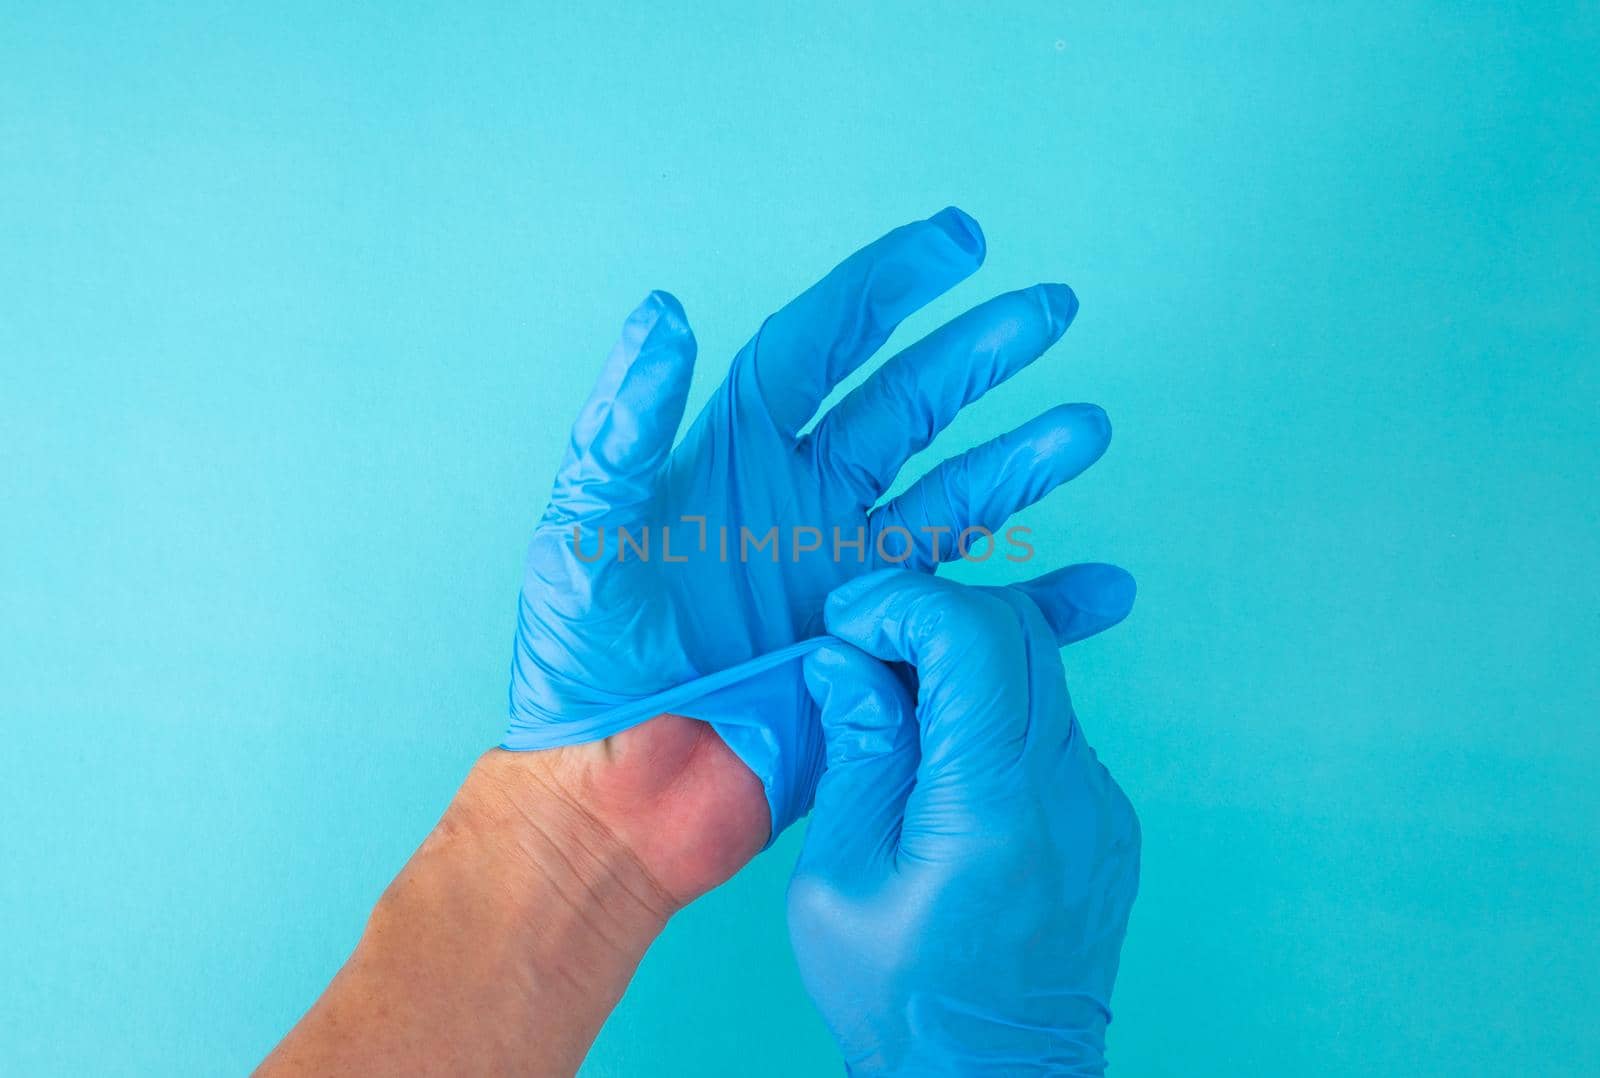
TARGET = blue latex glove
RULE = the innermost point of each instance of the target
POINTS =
(960, 902)
(608, 636)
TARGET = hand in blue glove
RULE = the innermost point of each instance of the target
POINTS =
(644, 574)
(961, 899)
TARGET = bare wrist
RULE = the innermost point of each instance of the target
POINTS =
(516, 805)
(520, 902)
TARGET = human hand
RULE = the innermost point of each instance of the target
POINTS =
(598, 632)
(960, 902)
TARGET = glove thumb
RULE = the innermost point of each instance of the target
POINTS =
(625, 430)
(869, 732)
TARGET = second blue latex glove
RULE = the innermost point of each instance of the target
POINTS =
(656, 570)
(960, 902)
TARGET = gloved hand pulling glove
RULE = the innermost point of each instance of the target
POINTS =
(960, 902)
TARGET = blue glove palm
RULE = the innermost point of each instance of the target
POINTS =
(645, 572)
(961, 899)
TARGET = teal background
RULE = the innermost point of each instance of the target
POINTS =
(296, 304)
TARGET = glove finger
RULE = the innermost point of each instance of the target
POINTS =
(967, 650)
(804, 350)
(1049, 704)
(1070, 604)
(902, 407)
(1081, 600)
(625, 430)
(946, 512)
(869, 730)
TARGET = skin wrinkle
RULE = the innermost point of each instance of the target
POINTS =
(580, 904)
(666, 903)
(551, 845)
(588, 899)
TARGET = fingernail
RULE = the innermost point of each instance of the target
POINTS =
(664, 301)
(1062, 303)
(962, 229)
(661, 310)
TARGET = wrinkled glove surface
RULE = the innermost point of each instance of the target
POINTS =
(655, 574)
